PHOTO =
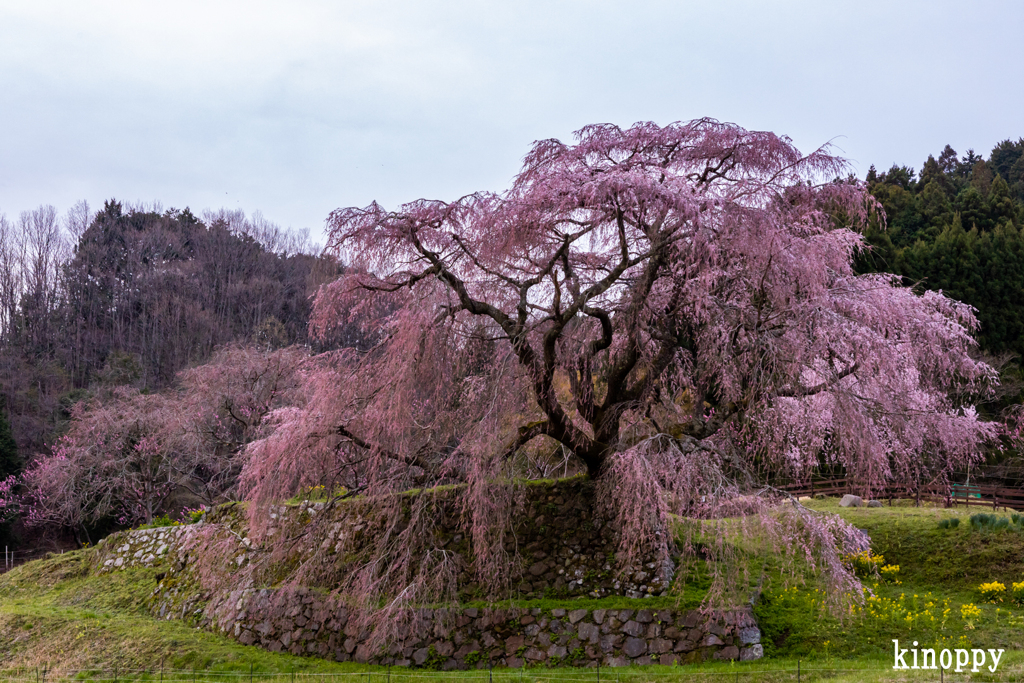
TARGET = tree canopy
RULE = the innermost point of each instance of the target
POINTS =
(675, 308)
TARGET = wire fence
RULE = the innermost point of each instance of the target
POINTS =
(756, 673)
(13, 558)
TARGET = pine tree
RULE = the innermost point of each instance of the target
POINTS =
(1001, 206)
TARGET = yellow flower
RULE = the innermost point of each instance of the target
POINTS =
(969, 612)
(992, 591)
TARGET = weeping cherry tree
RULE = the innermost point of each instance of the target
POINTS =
(671, 310)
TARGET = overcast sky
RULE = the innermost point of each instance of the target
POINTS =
(297, 108)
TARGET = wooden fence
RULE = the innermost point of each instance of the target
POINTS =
(983, 495)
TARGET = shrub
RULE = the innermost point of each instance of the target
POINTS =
(192, 515)
(161, 520)
(1018, 593)
(984, 520)
(889, 573)
(969, 612)
(992, 591)
(865, 563)
(981, 520)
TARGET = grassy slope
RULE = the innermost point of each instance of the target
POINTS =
(54, 614)
(936, 566)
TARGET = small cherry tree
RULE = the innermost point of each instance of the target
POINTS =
(116, 460)
(221, 407)
(10, 502)
(672, 308)
(127, 454)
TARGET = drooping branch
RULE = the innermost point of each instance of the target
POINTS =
(414, 460)
(685, 275)
(831, 382)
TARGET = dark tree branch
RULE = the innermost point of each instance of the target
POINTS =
(818, 388)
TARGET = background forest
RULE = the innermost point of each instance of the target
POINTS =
(107, 308)
(159, 341)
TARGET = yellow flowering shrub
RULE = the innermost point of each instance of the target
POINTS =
(913, 612)
(865, 563)
(969, 612)
(1018, 593)
(992, 591)
(889, 573)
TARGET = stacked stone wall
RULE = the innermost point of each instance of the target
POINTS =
(560, 546)
(564, 551)
(306, 623)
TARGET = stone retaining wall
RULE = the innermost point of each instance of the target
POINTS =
(562, 548)
(303, 622)
(140, 547)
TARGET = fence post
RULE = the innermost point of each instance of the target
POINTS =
(798, 671)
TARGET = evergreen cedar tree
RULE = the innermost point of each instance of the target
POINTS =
(957, 229)
(672, 309)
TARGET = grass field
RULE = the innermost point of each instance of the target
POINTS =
(58, 619)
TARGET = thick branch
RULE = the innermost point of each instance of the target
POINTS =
(818, 388)
(527, 433)
(413, 460)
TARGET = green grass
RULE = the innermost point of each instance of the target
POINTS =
(57, 616)
(939, 566)
(54, 614)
